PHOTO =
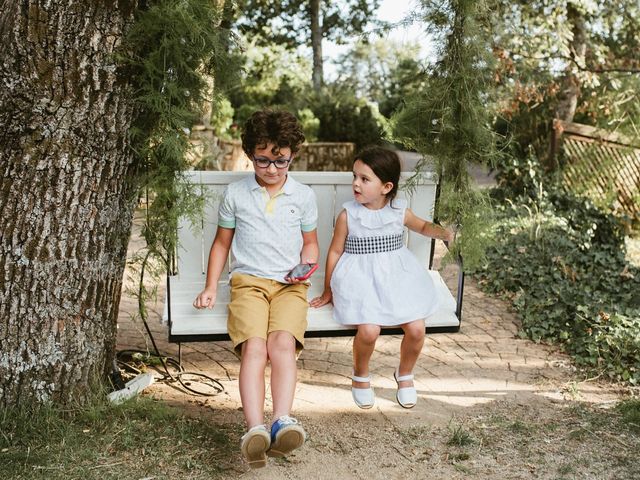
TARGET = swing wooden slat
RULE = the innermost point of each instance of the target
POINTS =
(187, 324)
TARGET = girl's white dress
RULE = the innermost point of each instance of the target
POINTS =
(386, 288)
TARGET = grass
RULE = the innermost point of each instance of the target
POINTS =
(459, 436)
(630, 411)
(140, 438)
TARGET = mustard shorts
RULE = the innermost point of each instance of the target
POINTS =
(260, 306)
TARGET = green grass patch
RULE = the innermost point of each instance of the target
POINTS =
(630, 410)
(459, 436)
(140, 438)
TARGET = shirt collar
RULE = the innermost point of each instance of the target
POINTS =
(288, 187)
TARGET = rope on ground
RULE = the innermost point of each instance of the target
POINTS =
(152, 360)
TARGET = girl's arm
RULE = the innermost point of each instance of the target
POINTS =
(217, 259)
(426, 228)
(336, 249)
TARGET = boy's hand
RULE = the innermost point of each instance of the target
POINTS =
(293, 280)
(206, 299)
(323, 299)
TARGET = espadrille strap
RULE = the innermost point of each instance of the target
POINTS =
(404, 378)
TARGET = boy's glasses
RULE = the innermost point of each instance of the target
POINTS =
(263, 162)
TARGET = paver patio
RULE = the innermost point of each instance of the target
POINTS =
(483, 362)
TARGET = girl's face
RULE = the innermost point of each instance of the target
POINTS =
(368, 189)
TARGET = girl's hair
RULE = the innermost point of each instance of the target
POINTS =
(272, 126)
(385, 164)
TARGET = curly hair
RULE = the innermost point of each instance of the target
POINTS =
(272, 126)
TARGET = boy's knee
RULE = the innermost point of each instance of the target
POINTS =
(254, 349)
(281, 341)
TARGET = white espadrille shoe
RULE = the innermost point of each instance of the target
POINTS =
(364, 397)
(407, 397)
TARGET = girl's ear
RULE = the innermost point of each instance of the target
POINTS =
(387, 187)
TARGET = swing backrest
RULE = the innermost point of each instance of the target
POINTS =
(332, 189)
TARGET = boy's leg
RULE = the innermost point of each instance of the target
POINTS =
(247, 326)
(287, 323)
(363, 345)
(255, 443)
(281, 349)
(252, 388)
(286, 433)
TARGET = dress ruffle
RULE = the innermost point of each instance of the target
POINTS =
(375, 218)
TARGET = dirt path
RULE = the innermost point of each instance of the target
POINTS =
(490, 404)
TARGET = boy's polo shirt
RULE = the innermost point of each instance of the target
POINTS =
(268, 230)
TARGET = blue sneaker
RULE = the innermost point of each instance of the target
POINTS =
(286, 435)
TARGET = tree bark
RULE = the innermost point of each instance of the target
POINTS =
(67, 195)
(570, 88)
(316, 44)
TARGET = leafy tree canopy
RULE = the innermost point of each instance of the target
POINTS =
(539, 43)
(382, 71)
(288, 22)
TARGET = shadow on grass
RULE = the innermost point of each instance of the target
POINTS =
(140, 438)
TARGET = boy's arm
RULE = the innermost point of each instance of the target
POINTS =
(217, 259)
(333, 255)
(426, 228)
(309, 252)
(310, 249)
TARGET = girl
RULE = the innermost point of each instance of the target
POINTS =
(372, 279)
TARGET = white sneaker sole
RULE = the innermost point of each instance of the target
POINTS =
(287, 440)
(254, 448)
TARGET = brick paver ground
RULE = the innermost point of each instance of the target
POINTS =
(483, 362)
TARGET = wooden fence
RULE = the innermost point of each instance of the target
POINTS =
(601, 165)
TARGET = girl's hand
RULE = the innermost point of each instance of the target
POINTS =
(449, 236)
(206, 299)
(323, 299)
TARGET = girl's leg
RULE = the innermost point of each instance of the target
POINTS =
(363, 346)
(410, 349)
(253, 362)
(281, 349)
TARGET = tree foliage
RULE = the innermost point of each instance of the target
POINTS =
(535, 46)
(448, 121)
(281, 22)
(168, 51)
(382, 71)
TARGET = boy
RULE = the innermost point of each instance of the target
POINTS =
(268, 220)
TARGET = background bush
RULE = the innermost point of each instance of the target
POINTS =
(561, 261)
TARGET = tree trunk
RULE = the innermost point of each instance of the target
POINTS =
(316, 44)
(570, 88)
(66, 195)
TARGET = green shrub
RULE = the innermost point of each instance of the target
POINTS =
(345, 118)
(562, 263)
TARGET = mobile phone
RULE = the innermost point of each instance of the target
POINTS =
(302, 271)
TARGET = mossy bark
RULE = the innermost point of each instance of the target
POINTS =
(67, 194)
